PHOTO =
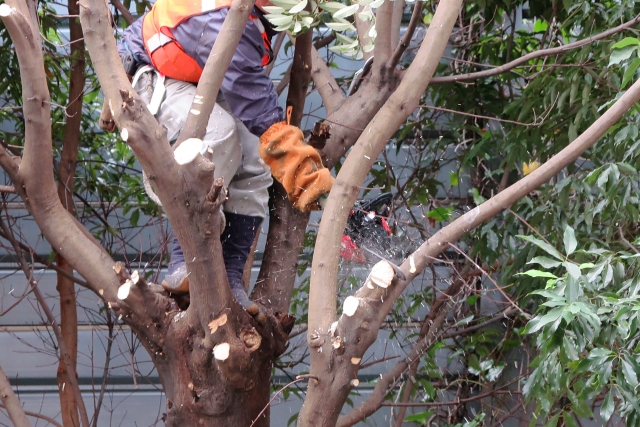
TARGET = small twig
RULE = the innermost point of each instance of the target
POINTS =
(7, 189)
(626, 242)
(298, 379)
(498, 287)
(124, 11)
(384, 359)
(452, 402)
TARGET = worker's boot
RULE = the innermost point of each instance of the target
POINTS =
(177, 280)
(237, 240)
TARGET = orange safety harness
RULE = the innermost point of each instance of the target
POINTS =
(167, 55)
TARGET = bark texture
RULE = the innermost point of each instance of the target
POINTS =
(66, 175)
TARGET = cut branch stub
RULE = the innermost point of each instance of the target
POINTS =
(221, 351)
(381, 274)
(188, 151)
(350, 305)
(251, 339)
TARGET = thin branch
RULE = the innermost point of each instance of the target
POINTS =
(453, 402)
(123, 11)
(534, 55)
(215, 69)
(481, 213)
(48, 264)
(276, 49)
(298, 379)
(539, 121)
(497, 286)
(359, 161)
(416, 17)
(626, 242)
(324, 41)
(10, 189)
(64, 355)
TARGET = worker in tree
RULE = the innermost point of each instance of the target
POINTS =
(164, 53)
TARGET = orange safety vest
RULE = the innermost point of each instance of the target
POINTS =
(167, 55)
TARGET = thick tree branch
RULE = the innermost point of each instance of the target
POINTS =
(66, 182)
(382, 47)
(128, 17)
(534, 55)
(214, 70)
(372, 141)
(11, 402)
(326, 84)
(363, 28)
(300, 76)
(322, 313)
(396, 22)
(287, 225)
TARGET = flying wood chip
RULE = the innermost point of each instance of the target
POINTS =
(216, 323)
(319, 135)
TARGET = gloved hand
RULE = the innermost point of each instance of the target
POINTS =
(295, 165)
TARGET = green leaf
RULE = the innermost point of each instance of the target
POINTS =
(299, 7)
(545, 262)
(135, 217)
(607, 408)
(539, 322)
(420, 417)
(570, 242)
(569, 420)
(453, 178)
(572, 269)
(543, 245)
(331, 6)
(630, 72)
(537, 273)
(540, 26)
(629, 374)
(464, 321)
(619, 55)
(440, 214)
(346, 12)
(279, 20)
(627, 41)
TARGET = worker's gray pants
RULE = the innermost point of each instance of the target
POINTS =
(232, 148)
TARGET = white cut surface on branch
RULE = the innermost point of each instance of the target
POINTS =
(221, 351)
(188, 150)
(381, 274)
(123, 291)
(350, 305)
(5, 9)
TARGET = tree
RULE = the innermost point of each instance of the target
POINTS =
(213, 354)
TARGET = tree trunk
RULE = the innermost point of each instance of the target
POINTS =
(66, 175)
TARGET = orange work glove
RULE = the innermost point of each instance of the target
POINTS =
(295, 165)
